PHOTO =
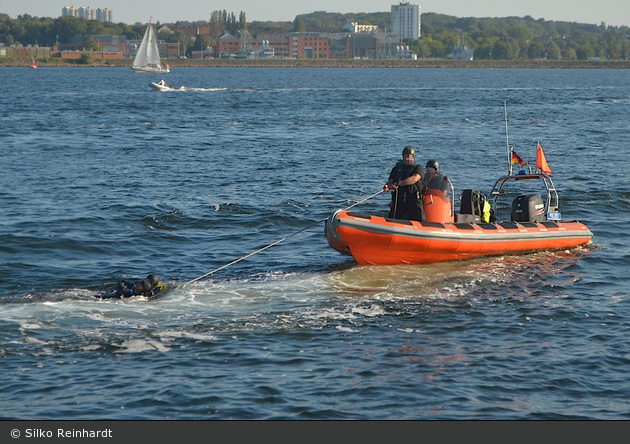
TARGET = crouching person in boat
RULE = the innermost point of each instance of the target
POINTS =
(433, 179)
(437, 195)
(147, 287)
(406, 182)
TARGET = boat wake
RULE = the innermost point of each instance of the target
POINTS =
(156, 87)
(203, 89)
(436, 281)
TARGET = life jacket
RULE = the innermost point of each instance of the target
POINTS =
(402, 172)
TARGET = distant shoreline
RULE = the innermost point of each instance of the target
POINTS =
(333, 63)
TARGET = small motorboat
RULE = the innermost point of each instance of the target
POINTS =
(160, 87)
(534, 224)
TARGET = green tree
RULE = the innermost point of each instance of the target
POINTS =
(569, 54)
(299, 25)
(483, 51)
(584, 52)
(231, 25)
(67, 27)
(535, 51)
(217, 23)
(242, 21)
(552, 50)
(89, 44)
(202, 42)
(467, 24)
(507, 49)
(185, 41)
(522, 35)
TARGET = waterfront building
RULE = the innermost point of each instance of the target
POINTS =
(313, 45)
(355, 27)
(406, 20)
(309, 45)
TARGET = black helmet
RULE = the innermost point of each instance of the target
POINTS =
(409, 150)
(153, 280)
(433, 164)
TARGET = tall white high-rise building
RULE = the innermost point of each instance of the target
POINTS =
(87, 13)
(104, 15)
(406, 20)
(70, 11)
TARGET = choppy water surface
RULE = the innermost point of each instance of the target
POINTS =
(103, 179)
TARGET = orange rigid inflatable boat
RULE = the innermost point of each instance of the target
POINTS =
(534, 225)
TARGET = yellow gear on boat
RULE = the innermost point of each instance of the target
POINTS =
(485, 212)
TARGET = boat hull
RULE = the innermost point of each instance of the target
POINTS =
(375, 240)
(149, 69)
(159, 87)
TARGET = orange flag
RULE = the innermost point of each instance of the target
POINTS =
(541, 162)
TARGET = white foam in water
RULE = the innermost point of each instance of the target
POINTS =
(141, 345)
(169, 335)
(346, 329)
(370, 311)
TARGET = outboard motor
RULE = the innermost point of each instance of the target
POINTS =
(528, 208)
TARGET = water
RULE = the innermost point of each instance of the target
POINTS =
(103, 179)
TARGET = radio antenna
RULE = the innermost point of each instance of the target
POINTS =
(507, 139)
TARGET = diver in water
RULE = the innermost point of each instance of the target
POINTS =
(147, 287)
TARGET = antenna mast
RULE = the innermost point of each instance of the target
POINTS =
(507, 139)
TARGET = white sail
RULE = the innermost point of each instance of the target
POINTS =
(148, 56)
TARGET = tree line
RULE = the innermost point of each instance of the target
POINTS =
(508, 38)
(46, 31)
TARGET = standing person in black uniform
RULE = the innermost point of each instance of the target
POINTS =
(406, 181)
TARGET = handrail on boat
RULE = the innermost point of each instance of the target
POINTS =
(551, 201)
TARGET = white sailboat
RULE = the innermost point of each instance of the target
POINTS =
(148, 56)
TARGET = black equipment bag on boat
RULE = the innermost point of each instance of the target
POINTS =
(472, 208)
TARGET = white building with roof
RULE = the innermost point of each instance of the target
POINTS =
(356, 27)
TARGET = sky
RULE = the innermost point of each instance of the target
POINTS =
(611, 12)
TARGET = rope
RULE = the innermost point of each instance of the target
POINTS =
(276, 242)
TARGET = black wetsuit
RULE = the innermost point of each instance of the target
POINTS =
(124, 289)
(407, 200)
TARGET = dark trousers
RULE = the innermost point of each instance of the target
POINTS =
(407, 207)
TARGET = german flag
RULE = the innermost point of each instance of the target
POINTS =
(517, 159)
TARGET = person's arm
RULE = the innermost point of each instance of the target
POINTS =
(410, 180)
(390, 185)
(390, 181)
